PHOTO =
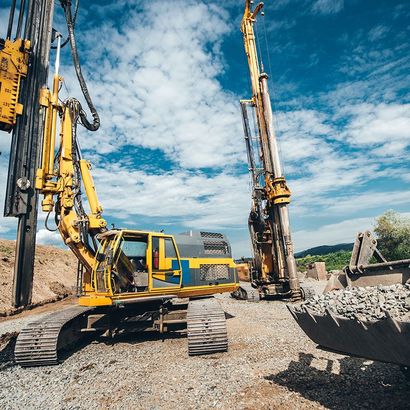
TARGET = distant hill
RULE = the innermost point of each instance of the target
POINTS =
(325, 250)
(243, 260)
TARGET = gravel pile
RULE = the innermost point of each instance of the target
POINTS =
(369, 303)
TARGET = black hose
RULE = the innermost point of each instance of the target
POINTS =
(64, 43)
(74, 108)
(46, 223)
(66, 4)
(11, 19)
(20, 20)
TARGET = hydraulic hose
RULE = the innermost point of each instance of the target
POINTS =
(65, 42)
(66, 4)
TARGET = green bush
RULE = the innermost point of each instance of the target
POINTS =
(333, 261)
(393, 235)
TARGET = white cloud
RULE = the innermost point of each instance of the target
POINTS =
(364, 201)
(7, 225)
(156, 84)
(5, 141)
(315, 160)
(322, 159)
(240, 247)
(384, 127)
(303, 134)
(193, 200)
(156, 81)
(378, 32)
(46, 237)
(328, 6)
(332, 234)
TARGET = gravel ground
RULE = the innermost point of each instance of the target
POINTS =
(271, 364)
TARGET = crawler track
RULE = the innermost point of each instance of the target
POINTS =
(39, 342)
(206, 327)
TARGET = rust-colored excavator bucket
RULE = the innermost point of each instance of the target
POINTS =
(385, 340)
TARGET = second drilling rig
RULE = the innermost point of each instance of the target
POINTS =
(273, 271)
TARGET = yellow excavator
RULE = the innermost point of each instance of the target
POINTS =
(272, 271)
(127, 279)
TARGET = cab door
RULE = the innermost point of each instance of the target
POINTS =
(165, 264)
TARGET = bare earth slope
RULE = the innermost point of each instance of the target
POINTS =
(54, 273)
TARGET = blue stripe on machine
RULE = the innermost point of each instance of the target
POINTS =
(186, 271)
(158, 283)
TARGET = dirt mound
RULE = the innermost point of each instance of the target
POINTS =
(54, 273)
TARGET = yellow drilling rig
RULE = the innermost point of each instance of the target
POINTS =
(127, 279)
(273, 271)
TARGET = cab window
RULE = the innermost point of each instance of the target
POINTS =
(164, 254)
(130, 271)
(170, 251)
(155, 252)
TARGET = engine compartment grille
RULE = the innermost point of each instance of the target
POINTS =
(211, 235)
(210, 272)
(216, 248)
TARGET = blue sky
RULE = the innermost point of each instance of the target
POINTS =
(167, 78)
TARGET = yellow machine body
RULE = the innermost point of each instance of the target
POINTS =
(129, 266)
(133, 265)
(14, 57)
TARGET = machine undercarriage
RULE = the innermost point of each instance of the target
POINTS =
(47, 341)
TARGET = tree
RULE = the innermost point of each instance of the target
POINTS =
(393, 235)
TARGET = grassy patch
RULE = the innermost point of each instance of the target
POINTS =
(6, 250)
(334, 261)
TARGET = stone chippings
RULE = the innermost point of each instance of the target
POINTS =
(368, 303)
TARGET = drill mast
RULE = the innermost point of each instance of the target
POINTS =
(274, 266)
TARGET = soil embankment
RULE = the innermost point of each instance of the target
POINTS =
(54, 273)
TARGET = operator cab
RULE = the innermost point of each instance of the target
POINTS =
(134, 261)
(130, 268)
